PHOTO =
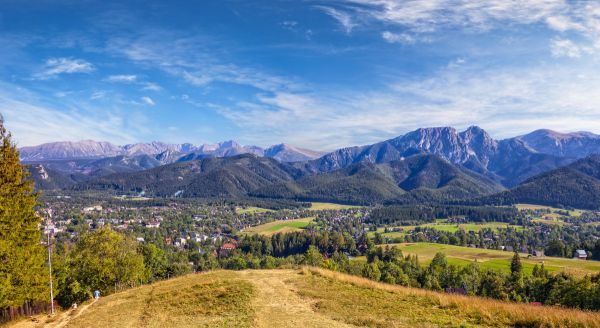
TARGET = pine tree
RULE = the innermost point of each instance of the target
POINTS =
(22, 258)
(515, 266)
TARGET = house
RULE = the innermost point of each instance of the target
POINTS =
(580, 254)
(538, 253)
(90, 209)
(153, 224)
(226, 249)
(140, 239)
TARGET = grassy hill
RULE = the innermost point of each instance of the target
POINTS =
(307, 298)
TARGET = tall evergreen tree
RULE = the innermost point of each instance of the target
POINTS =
(515, 266)
(23, 274)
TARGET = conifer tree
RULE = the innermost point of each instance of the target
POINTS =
(23, 274)
(516, 267)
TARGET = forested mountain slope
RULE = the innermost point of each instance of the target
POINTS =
(576, 185)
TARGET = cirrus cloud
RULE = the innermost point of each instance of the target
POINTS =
(56, 66)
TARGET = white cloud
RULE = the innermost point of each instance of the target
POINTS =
(148, 101)
(403, 38)
(566, 48)
(563, 23)
(435, 16)
(429, 16)
(341, 17)
(290, 25)
(187, 58)
(123, 78)
(151, 86)
(68, 122)
(98, 95)
(508, 102)
(131, 78)
(57, 66)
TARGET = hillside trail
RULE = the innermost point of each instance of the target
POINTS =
(59, 321)
(66, 319)
(278, 305)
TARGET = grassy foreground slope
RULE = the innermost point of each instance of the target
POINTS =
(307, 298)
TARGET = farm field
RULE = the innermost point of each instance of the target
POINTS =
(280, 226)
(496, 259)
(330, 206)
(307, 297)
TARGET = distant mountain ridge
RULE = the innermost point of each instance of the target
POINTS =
(166, 153)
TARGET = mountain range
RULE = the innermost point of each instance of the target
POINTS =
(89, 149)
(508, 162)
(439, 164)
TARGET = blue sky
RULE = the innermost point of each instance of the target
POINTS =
(317, 74)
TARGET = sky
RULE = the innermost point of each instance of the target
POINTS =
(315, 74)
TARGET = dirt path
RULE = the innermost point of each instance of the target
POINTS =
(65, 320)
(60, 320)
(278, 305)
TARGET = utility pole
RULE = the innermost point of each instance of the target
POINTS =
(50, 273)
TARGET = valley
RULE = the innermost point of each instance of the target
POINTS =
(411, 212)
(320, 163)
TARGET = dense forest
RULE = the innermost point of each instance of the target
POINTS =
(417, 214)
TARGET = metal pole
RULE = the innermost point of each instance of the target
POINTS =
(50, 273)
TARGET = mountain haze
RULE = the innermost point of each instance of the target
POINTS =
(89, 149)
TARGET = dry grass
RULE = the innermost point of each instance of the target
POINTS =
(215, 299)
(305, 298)
(468, 311)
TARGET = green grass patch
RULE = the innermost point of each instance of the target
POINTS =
(475, 227)
(443, 225)
(252, 210)
(553, 210)
(496, 259)
(280, 226)
(330, 206)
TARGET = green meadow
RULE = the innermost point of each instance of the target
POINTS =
(443, 225)
(280, 226)
(496, 259)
